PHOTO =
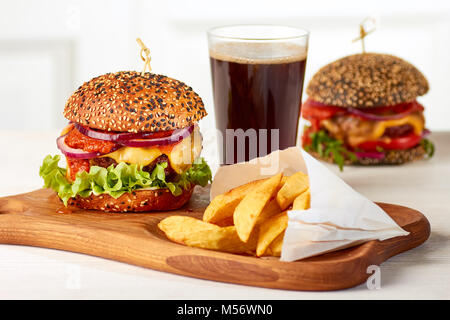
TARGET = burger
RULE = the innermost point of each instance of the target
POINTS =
(132, 144)
(362, 109)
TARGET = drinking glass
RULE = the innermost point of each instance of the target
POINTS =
(257, 78)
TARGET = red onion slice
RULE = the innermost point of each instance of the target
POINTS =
(370, 116)
(74, 153)
(111, 136)
(175, 137)
(372, 155)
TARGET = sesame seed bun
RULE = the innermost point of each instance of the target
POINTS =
(392, 157)
(130, 102)
(367, 80)
(136, 201)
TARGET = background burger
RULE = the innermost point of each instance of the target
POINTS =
(132, 144)
(362, 109)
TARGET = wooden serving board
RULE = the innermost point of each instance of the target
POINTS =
(35, 219)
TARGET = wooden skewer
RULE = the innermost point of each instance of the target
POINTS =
(147, 58)
(363, 33)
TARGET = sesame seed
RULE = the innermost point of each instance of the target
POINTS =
(105, 103)
(367, 80)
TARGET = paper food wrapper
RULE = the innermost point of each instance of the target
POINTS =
(339, 217)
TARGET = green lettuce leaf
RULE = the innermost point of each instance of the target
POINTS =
(118, 180)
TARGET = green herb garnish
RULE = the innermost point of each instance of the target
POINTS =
(327, 146)
(428, 146)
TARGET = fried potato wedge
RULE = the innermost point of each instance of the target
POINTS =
(227, 222)
(302, 202)
(222, 206)
(269, 231)
(271, 208)
(197, 233)
(250, 219)
(249, 209)
(184, 225)
(275, 247)
(292, 188)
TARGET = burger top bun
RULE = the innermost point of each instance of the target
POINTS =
(367, 80)
(130, 102)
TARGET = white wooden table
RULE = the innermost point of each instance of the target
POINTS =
(423, 273)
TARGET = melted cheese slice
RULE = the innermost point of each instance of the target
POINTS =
(377, 129)
(414, 120)
(180, 155)
(380, 127)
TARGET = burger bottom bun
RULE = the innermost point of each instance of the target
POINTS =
(136, 201)
(392, 157)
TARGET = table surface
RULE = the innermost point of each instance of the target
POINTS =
(38, 273)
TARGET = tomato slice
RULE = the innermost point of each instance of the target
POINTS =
(400, 143)
(406, 107)
(313, 110)
(306, 136)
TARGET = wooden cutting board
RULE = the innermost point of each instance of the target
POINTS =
(35, 219)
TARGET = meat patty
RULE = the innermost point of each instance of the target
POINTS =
(105, 162)
(398, 131)
(170, 173)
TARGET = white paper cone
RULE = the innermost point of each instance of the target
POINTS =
(339, 216)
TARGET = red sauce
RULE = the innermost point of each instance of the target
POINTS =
(75, 139)
(167, 149)
(76, 165)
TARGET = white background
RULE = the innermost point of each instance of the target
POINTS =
(49, 48)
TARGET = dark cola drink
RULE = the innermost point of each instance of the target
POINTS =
(257, 96)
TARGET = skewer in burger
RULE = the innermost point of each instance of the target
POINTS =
(132, 144)
(362, 109)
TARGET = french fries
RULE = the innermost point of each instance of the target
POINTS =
(196, 233)
(292, 188)
(181, 225)
(275, 247)
(220, 210)
(269, 210)
(249, 219)
(248, 210)
(302, 202)
(269, 230)
(222, 206)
